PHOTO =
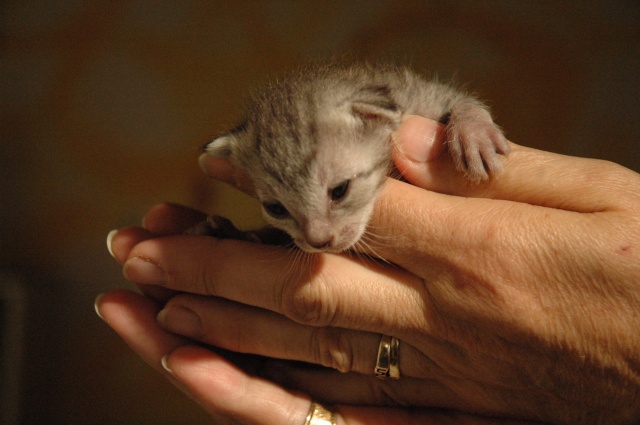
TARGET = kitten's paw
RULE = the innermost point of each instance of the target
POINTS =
(222, 228)
(475, 141)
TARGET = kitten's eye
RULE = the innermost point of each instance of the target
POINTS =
(339, 191)
(275, 209)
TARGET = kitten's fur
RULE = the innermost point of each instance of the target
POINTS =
(317, 146)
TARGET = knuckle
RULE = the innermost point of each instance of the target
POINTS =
(310, 302)
(332, 348)
(309, 305)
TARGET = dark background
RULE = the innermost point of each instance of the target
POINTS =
(104, 104)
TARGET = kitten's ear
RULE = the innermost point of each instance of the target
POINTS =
(374, 103)
(221, 146)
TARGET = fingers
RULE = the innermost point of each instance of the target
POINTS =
(319, 290)
(231, 395)
(226, 390)
(160, 220)
(243, 329)
(311, 289)
(133, 317)
(120, 242)
(530, 176)
(256, 331)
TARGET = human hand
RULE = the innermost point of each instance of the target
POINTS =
(522, 306)
(241, 389)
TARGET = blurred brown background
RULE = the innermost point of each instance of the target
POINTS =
(104, 104)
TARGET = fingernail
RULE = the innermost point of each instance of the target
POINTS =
(202, 162)
(109, 240)
(144, 271)
(180, 320)
(165, 363)
(415, 139)
(96, 305)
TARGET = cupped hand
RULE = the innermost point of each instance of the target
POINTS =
(512, 299)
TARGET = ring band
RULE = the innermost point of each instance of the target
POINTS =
(394, 367)
(387, 363)
(320, 415)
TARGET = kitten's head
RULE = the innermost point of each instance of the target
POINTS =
(317, 158)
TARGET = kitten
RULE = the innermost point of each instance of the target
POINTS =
(317, 147)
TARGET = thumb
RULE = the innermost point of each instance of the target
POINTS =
(420, 155)
(531, 176)
(418, 140)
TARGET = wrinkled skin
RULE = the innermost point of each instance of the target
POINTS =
(515, 300)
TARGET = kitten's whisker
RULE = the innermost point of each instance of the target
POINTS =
(366, 247)
(299, 262)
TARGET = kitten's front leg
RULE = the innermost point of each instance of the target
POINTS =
(474, 140)
(223, 228)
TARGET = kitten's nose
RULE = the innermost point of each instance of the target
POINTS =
(318, 233)
(325, 243)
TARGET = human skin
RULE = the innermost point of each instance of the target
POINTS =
(517, 298)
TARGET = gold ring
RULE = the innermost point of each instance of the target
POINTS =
(387, 363)
(319, 415)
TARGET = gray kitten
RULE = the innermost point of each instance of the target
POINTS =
(317, 147)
